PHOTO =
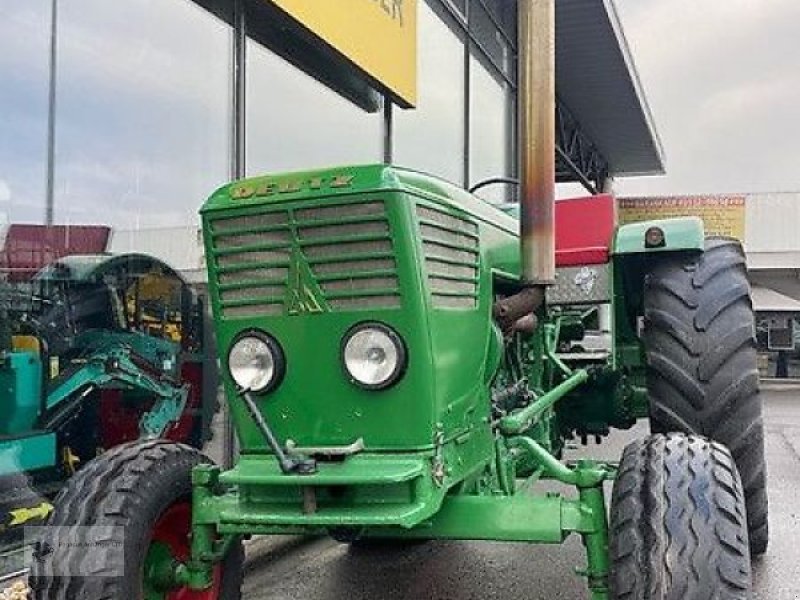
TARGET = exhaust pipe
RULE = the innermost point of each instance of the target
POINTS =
(536, 135)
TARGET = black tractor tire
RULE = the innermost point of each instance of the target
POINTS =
(114, 503)
(702, 374)
(678, 528)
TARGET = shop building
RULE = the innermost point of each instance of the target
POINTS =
(128, 114)
(766, 224)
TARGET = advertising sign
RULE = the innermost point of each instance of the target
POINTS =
(722, 215)
(378, 36)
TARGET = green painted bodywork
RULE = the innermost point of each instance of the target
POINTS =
(475, 420)
(680, 233)
(631, 261)
(316, 405)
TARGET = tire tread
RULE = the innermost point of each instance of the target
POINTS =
(678, 525)
(701, 362)
(113, 492)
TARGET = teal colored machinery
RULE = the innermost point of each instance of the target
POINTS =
(21, 388)
(95, 351)
(118, 365)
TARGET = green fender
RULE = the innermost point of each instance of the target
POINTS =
(681, 233)
(630, 265)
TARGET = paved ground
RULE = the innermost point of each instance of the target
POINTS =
(320, 569)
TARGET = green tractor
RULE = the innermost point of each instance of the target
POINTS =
(95, 351)
(403, 361)
(390, 376)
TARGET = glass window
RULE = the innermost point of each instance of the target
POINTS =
(459, 5)
(143, 111)
(294, 122)
(484, 29)
(490, 130)
(24, 76)
(504, 14)
(431, 137)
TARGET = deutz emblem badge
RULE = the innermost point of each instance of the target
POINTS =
(303, 294)
(585, 280)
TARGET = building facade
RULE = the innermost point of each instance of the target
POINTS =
(766, 224)
(130, 113)
(151, 115)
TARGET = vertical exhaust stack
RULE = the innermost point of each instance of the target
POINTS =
(537, 132)
(536, 135)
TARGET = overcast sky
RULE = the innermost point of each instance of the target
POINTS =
(723, 82)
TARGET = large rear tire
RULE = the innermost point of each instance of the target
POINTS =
(702, 374)
(129, 506)
(678, 529)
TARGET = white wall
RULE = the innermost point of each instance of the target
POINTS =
(179, 247)
(772, 230)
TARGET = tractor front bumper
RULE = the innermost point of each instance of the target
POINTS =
(362, 491)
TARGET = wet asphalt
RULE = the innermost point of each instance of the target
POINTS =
(321, 569)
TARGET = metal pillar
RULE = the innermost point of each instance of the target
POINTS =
(51, 117)
(238, 91)
(537, 107)
(238, 162)
(388, 128)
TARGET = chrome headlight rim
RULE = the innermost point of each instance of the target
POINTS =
(399, 344)
(276, 351)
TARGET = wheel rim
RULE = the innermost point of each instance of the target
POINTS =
(170, 542)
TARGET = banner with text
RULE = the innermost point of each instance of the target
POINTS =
(722, 215)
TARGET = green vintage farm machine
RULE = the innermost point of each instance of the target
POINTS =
(390, 377)
(95, 351)
(403, 361)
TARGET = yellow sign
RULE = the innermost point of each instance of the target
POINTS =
(721, 215)
(378, 36)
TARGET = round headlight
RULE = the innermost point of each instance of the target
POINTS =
(256, 362)
(374, 355)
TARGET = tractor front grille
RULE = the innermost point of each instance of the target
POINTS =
(348, 249)
(251, 255)
(450, 246)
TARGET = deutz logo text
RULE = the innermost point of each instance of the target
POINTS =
(257, 189)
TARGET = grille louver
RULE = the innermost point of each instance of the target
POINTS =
(450, 245)
(348, 248)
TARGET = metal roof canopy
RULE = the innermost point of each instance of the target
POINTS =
(607, 125)
(597, 80)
